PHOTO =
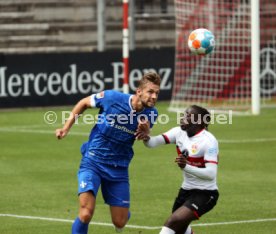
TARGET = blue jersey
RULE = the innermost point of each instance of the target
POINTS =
(111, 139)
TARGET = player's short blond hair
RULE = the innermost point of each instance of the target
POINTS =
(151, 77)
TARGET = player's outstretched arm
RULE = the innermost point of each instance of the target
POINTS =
(154, 141)
(79, 108)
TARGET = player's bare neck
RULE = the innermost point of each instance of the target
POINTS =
(136, 104)
(193, 130)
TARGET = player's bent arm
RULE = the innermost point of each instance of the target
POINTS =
(207, 173)
(79, 108)
(155, 141)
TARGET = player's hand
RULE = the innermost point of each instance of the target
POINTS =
(181, 161)
(61, 133)
(143, 130)
(142, 136)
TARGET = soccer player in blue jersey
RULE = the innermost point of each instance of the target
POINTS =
(107, 153)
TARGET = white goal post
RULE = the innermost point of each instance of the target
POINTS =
(240, 74)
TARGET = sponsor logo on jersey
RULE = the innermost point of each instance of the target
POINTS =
(124, 129)
(196, 161)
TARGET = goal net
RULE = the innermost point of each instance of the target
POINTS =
(222, 79)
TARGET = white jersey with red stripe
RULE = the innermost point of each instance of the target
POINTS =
(202, 148)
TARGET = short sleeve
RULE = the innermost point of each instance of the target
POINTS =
(211, 152)
(92, 100)
(103, 98)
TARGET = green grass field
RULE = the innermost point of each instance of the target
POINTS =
(38, 177)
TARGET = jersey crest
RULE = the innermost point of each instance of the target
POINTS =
(194, 148)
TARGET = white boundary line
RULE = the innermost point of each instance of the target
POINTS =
(136, 226)
(257, 140)
(51, 132)
(24, 130)
(235, 222)
(71, 221)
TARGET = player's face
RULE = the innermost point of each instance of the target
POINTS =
(191, 122)
(148, 94)
(185, 121)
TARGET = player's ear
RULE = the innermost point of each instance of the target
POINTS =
(138, 91)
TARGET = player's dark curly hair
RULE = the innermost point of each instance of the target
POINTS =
(203, 114)
(149, 77)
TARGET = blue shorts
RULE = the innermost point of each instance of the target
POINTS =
(112, 179)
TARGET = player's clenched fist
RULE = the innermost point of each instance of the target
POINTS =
(181, 159)
(61, 133)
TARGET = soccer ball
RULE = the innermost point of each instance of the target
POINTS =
(201, 41)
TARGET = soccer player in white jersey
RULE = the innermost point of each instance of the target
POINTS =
(197, 151)
(108, 152)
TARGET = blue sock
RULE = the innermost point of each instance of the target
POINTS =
(79, 227)
(129, 215)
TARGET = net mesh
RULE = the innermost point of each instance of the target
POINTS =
(222, 79)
